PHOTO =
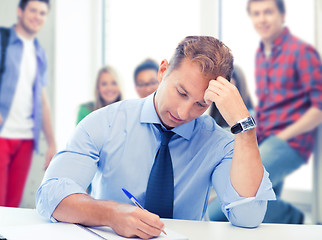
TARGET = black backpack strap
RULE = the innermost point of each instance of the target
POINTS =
(5, 34)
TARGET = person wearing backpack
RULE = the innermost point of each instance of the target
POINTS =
(24, 108)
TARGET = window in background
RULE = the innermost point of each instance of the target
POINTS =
(77, 59)
(139, 29)
(238, 33)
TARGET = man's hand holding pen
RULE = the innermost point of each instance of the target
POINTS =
(131, 221)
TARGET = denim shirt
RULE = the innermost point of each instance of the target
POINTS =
(10, 79)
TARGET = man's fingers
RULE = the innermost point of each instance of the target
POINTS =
(227, 99)
(147, 224)
(152, 220)
(215, 92)
(148, 230)
(223, 80)
(144, 235)
(210, 96)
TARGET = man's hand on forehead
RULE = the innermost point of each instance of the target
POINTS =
(227, 99)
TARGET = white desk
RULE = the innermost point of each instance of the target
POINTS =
(194, 230)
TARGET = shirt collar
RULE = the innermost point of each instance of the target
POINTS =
(282, 38)
(149, 115)
(279, 40)
(14, 37)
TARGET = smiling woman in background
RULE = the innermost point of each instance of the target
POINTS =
(107, 91)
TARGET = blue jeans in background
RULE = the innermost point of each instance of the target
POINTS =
(280, 160)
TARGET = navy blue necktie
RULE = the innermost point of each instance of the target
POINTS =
(159, 191)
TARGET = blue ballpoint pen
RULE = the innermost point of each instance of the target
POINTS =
(132, 198)
(136, 202)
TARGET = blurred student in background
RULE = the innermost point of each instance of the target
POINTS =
(146, 78)
(24, 107)
(107, 91)
(289, 91)
(238, 79)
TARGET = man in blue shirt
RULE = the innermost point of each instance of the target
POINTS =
(114, 147)
(24, 107)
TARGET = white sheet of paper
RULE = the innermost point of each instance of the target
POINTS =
(67, 231)
(108, 233)
(48, 231)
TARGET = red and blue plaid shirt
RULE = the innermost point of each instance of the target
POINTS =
(288, 83)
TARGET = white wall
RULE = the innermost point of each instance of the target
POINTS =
(77, 60)
(139, 29)
(8, 12)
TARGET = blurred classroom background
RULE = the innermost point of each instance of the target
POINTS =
(80, 36)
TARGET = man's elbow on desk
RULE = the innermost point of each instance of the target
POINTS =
(248, 215)
(52, 192)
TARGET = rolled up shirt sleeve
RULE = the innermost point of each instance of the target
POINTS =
(70, 172)
(52, 192)
(241, 211)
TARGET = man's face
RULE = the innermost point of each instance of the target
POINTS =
(146, 82)
(33, 17)
(267, 20)
(180, 96)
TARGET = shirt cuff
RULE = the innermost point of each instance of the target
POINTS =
(264, 192)
(52, 192)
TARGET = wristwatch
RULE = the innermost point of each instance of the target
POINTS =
(243, 125)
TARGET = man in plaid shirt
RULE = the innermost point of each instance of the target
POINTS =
(289, 87)
(289, 90)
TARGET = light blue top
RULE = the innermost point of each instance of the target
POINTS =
(116, 146)
(11, 76)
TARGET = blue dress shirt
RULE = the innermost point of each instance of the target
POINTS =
(11, 76)
(115, 147)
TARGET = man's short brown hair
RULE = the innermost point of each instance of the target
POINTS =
(214, 58)
(279, 3)
(23, 3)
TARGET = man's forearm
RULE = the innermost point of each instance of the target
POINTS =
(246, 169)
(48, 130)
(81, 208)
(310, 120)
(126, 220)
(47, 126)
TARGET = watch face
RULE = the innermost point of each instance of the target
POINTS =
(243, 125)
(249, 123)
